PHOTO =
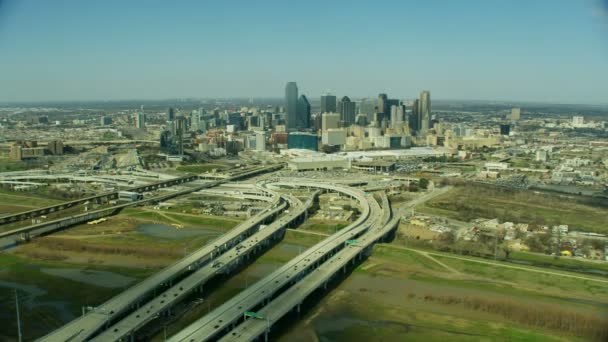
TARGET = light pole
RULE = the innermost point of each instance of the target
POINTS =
(18, 317)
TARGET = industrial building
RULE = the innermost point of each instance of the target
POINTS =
(318, 162)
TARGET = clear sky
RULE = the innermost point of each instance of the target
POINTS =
(528, 50)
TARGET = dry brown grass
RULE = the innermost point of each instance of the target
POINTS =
(545, 316)
(77, 245)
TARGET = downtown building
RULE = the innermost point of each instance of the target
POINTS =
(291, 106)
(424, 111)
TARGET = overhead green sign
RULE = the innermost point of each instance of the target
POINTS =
(352, 242)
(253, 314)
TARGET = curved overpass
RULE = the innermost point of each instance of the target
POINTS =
(91, 323)
(223, 263)
(211, 325)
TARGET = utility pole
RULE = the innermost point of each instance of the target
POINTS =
(559, 243)
(18, 317)
(495, 243)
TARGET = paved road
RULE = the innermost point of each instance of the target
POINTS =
(230, 312)
(250, 329)
(222, 264)
(83, 327)
(277, 308)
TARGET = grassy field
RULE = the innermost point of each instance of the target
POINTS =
(199, 221)
(116, 241)
(467, 202)
(43, 315)
(26, 199)
(323, 226)
(401, 294)
(562, 262)
(397, 294)
(7, 165)
(112, 246)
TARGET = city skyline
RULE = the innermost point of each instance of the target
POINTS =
(315, 170)
(547, 51)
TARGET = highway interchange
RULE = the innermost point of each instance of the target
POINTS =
(123, 317)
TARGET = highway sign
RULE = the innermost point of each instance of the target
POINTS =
(253, 314)
(352, 242)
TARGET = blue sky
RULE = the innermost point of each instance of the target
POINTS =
(528, 50)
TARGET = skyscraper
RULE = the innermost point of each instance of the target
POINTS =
(346, 108)
(140, 120)
(424, 111)
(414, 118)
(328, 104)
(382, 106)
(170, 114)
(329, 120)
(505, 129)
(303, 113)
(389, 104)
(515, 114)
(291, 105)
(367, 106)
(195, 120)
(397, 115)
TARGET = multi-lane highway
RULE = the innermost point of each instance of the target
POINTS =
(15, 236)
(123, 316)
(87, 325)
(105, 196)
(83, 327)
(228, 314)
(294, 295)
(221, 264)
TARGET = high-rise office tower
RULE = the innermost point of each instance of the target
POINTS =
(329, 120)
(303, 113)
(389, 104)
(515, 114)
(424, 111)
(382, 106)
(414, 118)
(367, 106)
(260, 141)
(397, 115)
(315, 121)
(170, 114)
(347, 109)
(180, 127)
(195, 120)
(328, 103)
(505, 129)
(140, 120)
(291, 105)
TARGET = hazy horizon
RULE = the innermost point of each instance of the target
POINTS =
(516, 51)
